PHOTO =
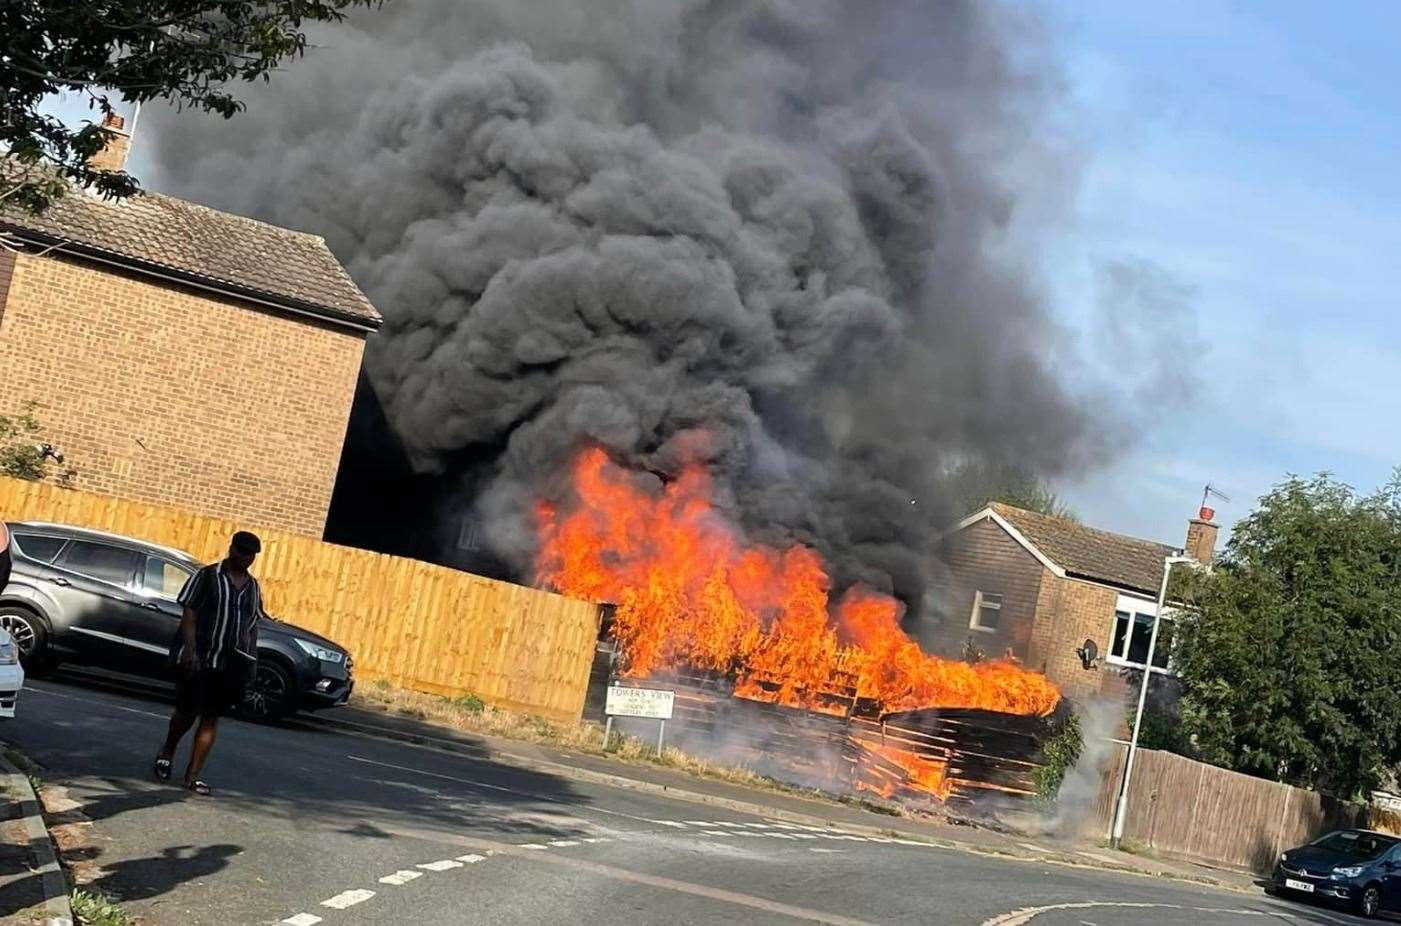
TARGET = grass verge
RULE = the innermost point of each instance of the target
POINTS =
(94, 909)
(26, 765)
(469, 714)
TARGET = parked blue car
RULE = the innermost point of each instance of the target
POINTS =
(1359, 868)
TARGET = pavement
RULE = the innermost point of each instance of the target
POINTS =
(315, 822)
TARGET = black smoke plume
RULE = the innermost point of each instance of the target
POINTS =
(788, 238)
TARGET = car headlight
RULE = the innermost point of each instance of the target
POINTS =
(320, 652)
(9, 654)
(1351, 871)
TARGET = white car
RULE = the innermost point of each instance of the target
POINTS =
(11, 674)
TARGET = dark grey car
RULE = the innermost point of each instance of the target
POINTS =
(108, 601)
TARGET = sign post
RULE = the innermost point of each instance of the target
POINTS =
(654, 703)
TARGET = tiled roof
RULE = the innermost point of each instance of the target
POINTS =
(1086, 552)
(207, 247)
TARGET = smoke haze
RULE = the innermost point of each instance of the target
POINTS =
(791, 240)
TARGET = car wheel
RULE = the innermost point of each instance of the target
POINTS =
(30, 635)
(1370, 901)
(269, 695)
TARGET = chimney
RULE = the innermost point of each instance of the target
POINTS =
(1201, 536)
(112, 157)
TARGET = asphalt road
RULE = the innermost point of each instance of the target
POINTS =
(311, 826)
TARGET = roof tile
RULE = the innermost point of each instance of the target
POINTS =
(217, 248)
(1091, 553)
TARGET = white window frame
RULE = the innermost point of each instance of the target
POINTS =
(978, 604)
(1135, 606)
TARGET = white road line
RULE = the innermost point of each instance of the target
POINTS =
(446, 864)
(400, 878)
(804, 836)
(593, 839)
(757, 826)
(671, 823)
(348, 899)
(715, 833)
(1032, 847)
(531, 845)
(829, 852)
(1027, 914)
(564, 842)
(782, 826)
(471, 859)
(301, 919)
(724, 823)
(482, 784)
(812, 829)
(696, 823)
(779, 835)
(116, 707)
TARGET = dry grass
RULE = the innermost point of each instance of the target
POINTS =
(470, 714)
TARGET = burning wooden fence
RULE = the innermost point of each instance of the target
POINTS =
(946, 755)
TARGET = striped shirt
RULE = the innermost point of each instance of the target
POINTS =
(226, 616)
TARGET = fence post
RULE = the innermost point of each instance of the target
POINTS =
(1283, 815)
(1196, 804)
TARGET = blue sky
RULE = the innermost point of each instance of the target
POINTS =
(1248, 151)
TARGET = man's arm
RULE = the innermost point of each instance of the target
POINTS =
(187, 636)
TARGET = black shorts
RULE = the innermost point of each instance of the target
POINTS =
(208, 692)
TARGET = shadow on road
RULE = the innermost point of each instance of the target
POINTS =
(152, 876)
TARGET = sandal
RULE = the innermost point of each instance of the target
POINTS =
(199, 787)
(162, 769)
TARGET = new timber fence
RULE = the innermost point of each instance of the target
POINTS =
(1188, 809)
(410, 623)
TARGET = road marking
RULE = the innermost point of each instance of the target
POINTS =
(301, 919)
(1027, 914)
(804, 836)
(1032, 846)
(564, 842)
(400, 878)
(671, 823)
(446, 864)
(531, 845)
(779, 835)
(482, 784)
(696, 823)
(825, 851)
(116, 707)
(592, 839)
(471, 859)
(724, 823)
(715, 833)
(348, 899)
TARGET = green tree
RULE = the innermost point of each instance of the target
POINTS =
(184, 51)
(976, 485)
(1289, 651)
(20, 456)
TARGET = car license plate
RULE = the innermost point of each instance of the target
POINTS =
(1298, 885)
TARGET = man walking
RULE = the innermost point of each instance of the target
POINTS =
(215, 653)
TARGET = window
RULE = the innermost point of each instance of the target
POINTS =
(1132, 633)
(162, 577)
(100, 561)
(38, 547)
(987, 611)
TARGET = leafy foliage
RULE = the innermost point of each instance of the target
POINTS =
(1162, 729)
(20, 456)
(95, 909)
(1288, 651)
(185, 51)
(978, 485)
(1059, 753)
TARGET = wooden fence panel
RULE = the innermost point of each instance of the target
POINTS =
(1191, 810)
(414, 624)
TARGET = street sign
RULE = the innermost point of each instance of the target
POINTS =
(639, 702)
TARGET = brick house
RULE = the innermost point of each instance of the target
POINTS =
(1038, 587)
(182, 355)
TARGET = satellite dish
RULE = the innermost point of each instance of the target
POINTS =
(1088, 653)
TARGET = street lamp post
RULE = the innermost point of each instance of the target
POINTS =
(1117, 833)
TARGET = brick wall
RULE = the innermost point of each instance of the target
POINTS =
(982, 557)
(161, 393)
(1068, 612)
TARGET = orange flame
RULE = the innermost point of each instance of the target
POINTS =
(690, 592)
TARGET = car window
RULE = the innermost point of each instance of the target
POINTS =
(162, 577)
(37, 546)
(99, 561)
(1357, 844)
